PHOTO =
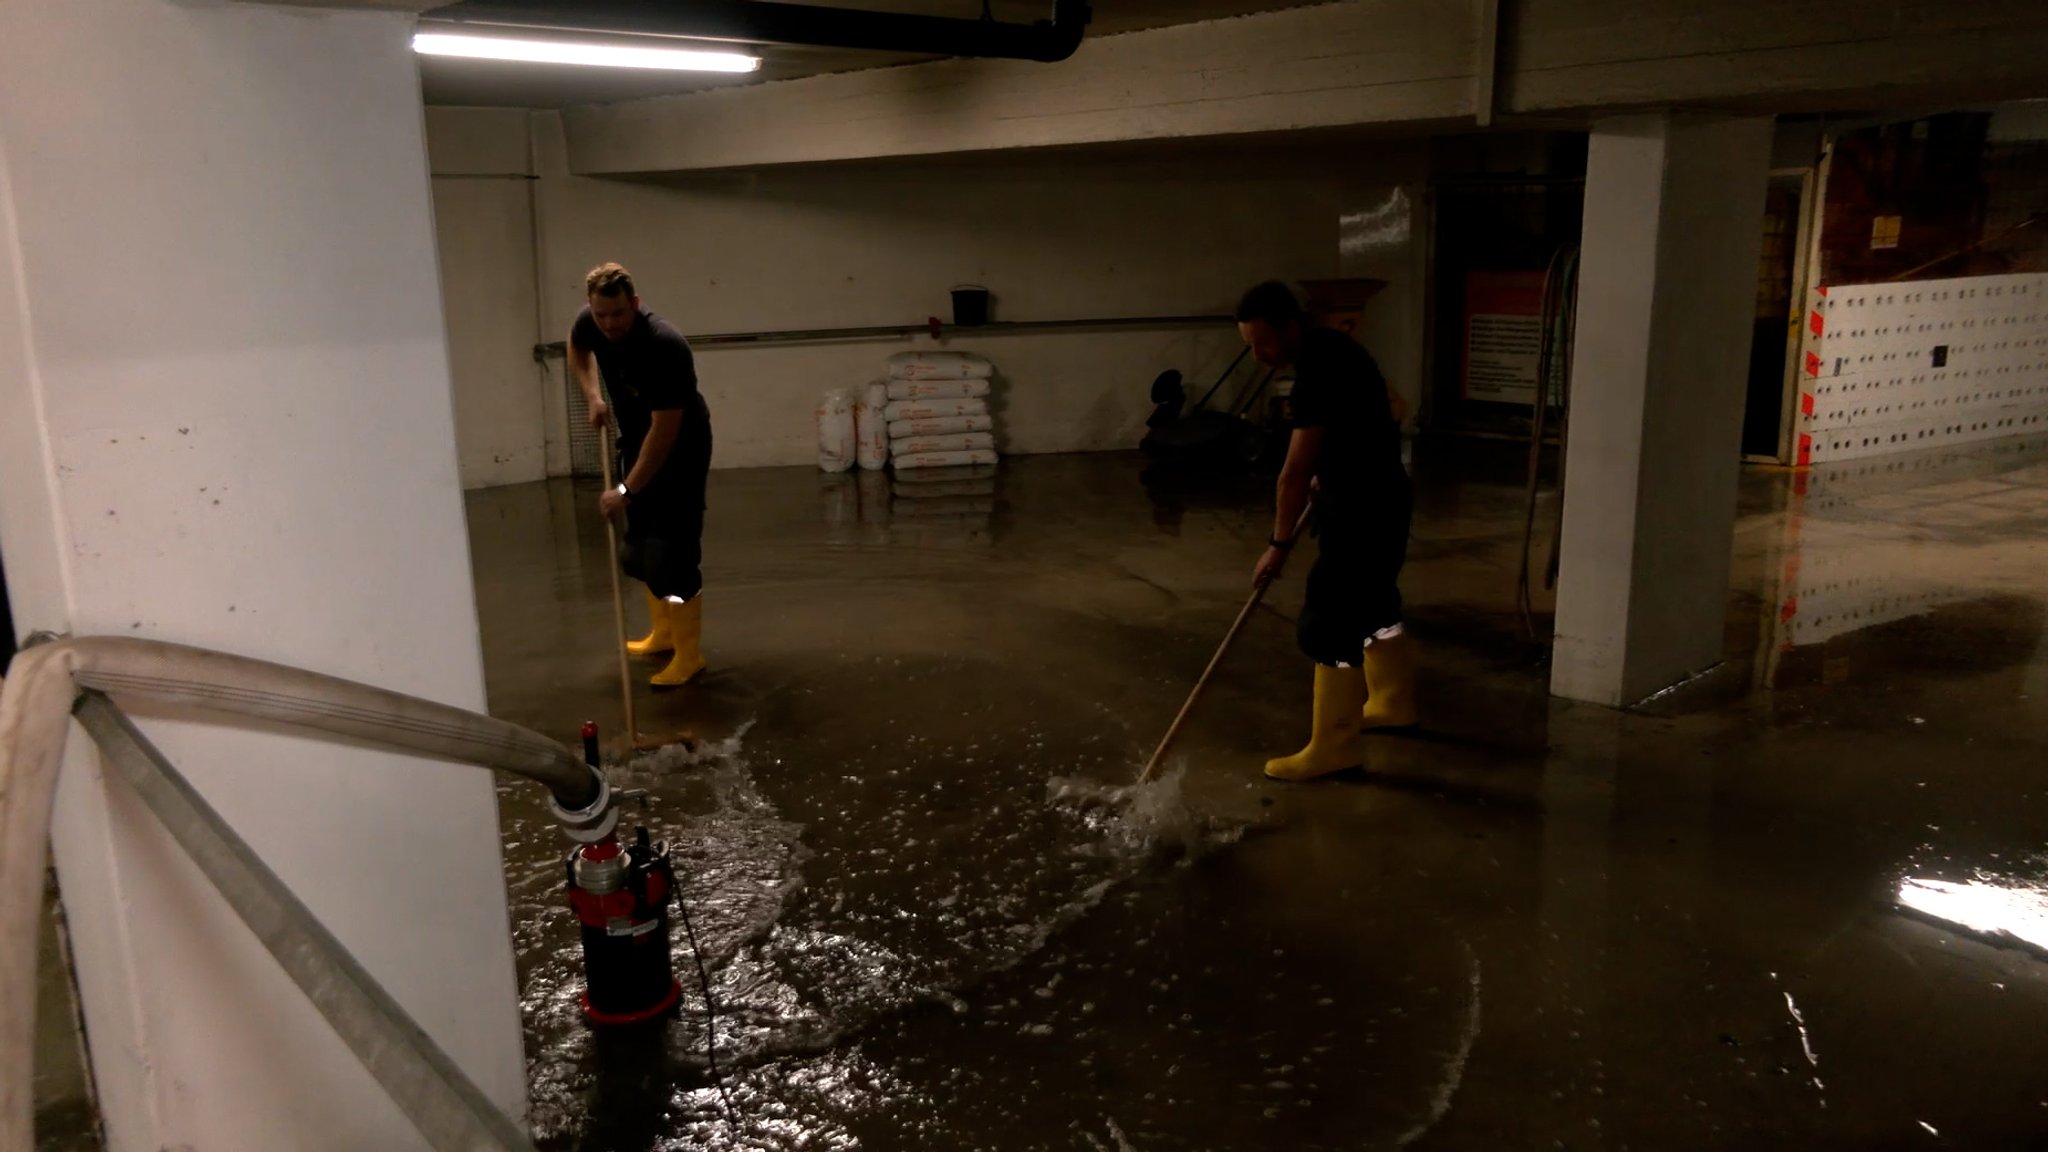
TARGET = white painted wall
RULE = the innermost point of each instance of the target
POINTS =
(2026, 120)
(484, 229)
(1055, 236)
(484, 232)
(478, 142)
(225, 419)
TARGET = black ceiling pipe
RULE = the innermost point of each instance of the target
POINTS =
(760, 22)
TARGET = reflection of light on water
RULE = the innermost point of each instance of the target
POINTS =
(1454, 1070)
(1805, 1040)
(2017, 913)
(811, 939)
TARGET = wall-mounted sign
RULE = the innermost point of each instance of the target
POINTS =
(1503, 335)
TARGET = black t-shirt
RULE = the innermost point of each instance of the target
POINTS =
(650, 371)
(1338, 388)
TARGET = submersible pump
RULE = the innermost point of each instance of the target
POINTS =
(621, 894)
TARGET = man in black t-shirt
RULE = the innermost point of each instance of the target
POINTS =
(617, 347)
(1346, 444)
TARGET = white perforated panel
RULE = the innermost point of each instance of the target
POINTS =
(1928, 364)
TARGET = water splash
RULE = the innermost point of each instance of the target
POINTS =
(665, 763)
(1141, 821)
(811, 944)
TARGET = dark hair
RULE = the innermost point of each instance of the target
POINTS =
(1273, 302)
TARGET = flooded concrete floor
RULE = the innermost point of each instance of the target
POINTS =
(929, 922)
(1531, 925)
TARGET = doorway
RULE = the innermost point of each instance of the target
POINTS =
(6, 622)
(1494, 237)
(1780, 305)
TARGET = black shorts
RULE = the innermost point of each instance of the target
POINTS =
(663, 545)
(1354, 589)
(663, 548)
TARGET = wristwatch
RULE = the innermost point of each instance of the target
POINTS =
(624, 492)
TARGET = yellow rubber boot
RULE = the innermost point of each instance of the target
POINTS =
(658, 640)
(1390, 683)
(1333, 743)
(686, 629)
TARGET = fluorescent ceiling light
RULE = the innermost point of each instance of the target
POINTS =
(528, 51)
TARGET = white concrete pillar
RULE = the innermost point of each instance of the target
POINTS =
(225, 419)
(1667, 284)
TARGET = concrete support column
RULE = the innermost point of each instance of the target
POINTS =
(1667, 285)
(225, 419)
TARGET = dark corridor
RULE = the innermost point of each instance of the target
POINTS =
(6, 621)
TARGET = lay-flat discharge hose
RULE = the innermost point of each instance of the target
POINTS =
(46, 681)
(129, 668)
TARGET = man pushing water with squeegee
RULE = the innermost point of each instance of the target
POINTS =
(616, 346)
(1346, 443)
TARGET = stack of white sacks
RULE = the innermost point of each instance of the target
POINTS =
(838, 436)
(934, 408)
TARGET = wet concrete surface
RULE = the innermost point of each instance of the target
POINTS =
(1530, 925)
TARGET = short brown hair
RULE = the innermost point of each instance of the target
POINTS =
(609, 280)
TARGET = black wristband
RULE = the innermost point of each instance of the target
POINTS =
(1282, 545)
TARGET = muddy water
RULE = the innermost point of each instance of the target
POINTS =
(927, 960)
(930, 922)
(962, 974)
(905, 915)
